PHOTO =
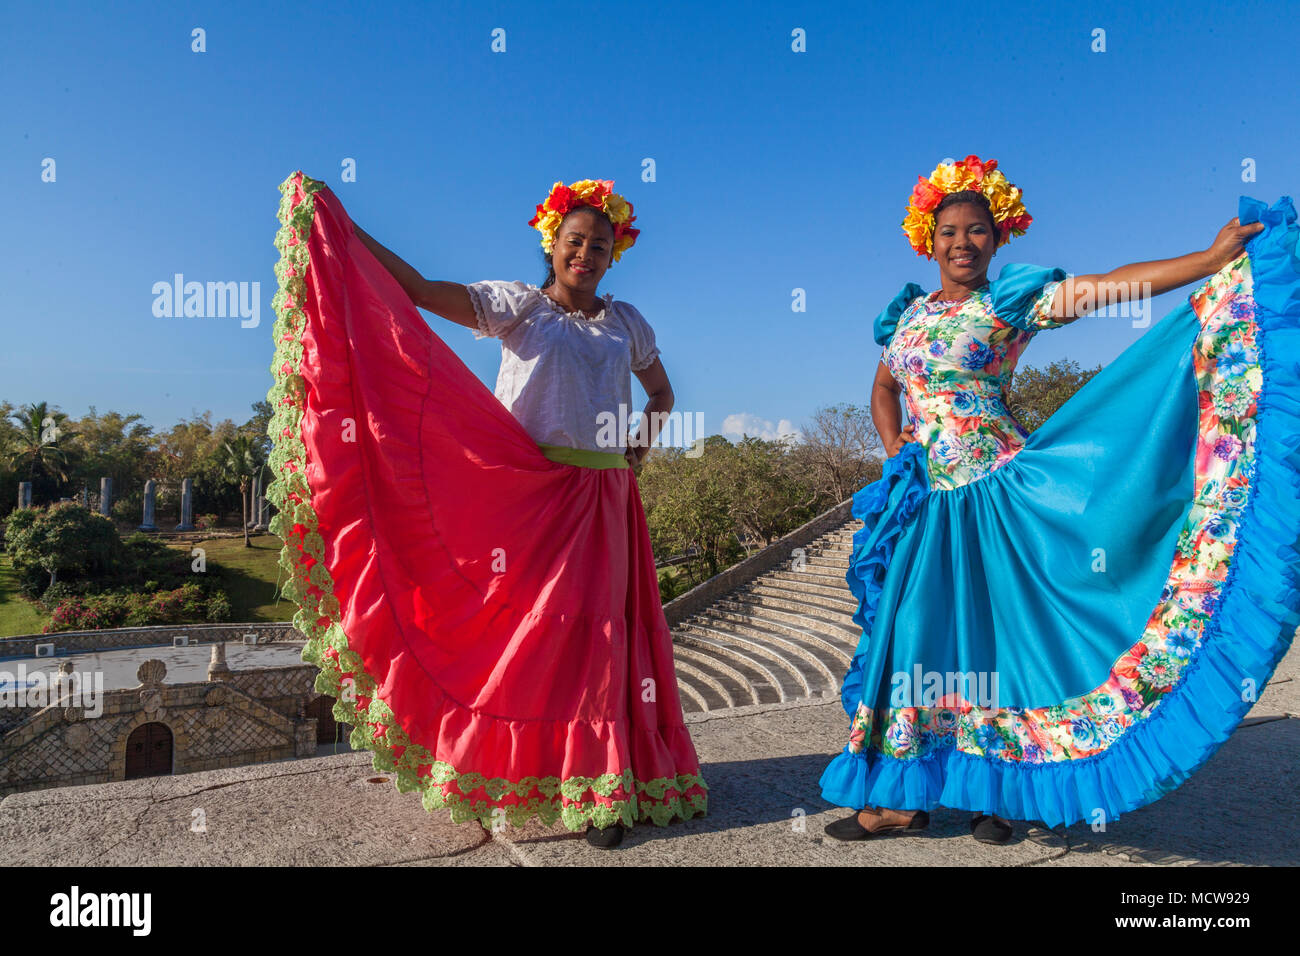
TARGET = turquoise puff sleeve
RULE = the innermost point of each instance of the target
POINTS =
(889, 316)
(1022, 296)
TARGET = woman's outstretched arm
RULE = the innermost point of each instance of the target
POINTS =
(1080, 295)
(447, 299)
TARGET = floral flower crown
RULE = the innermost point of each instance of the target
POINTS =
(598, 193)
(982, 176)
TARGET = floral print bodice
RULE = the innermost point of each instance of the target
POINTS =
(954, 361)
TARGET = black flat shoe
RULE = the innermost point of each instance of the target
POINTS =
(990, 829)
(850, 829)
(605, 838)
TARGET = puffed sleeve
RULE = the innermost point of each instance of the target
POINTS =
(889, 316)
(499, 306)
(644, 349)
(1022, 296)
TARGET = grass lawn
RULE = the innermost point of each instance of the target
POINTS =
(17, 616)
(248, 575)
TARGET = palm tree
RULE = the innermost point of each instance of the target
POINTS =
(240, 464)
(36, 447)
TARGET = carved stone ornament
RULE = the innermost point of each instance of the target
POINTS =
(151, 671)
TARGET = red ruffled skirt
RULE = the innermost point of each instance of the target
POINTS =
(488, 619)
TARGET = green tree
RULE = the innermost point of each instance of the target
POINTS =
(195, 448)
(714, 507)
(61, 538)
(241, 464)
(688, 504)
(841, 451)
(9, 479)
(769, 496)
(115, 446)
(1036, 393)
(40, 453)
(256, 428)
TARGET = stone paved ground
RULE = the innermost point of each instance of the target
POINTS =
(762, 765)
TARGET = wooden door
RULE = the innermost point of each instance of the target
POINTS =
(149, 751)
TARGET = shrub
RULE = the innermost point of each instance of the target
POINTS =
(84, 614)
(184, 605)
(147, 558)
(218, 608)
(63, 590)
(129, 510)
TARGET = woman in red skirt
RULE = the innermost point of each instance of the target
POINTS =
(474, 573)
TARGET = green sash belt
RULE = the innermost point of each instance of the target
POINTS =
(583, 458)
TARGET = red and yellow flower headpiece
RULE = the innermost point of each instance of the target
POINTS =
(971, 173)
(598, 193)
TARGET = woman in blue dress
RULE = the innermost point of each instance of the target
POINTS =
(1064, 625)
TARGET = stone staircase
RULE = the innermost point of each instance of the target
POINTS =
(785, 634)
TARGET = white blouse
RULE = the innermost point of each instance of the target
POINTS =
(560, 370)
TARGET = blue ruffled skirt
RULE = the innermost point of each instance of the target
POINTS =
(1072, 635)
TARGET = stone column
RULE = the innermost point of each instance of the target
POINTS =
(85, 497)
(218, 669)
(106, 497)
(253, 502)
(24, 494)
(150, 492)
(187, 506)
(261, 509)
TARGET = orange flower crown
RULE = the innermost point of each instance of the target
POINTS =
(982, 176)
(598, 193)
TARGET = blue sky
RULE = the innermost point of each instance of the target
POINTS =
(775, 170)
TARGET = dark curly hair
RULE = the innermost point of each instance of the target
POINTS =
(546, 256)
(968, 196)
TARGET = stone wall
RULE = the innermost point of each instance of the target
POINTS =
(778, 552)
(72, 642)
(283, 689)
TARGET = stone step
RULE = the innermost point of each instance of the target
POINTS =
(788, 679)
(817, 656)
(732, 685)
(823, 564)
(813, 575)
(778, 592)
(804, 627)
(833, 542)
(756, 685)
(834, 563)
(693, 701)
(833, 622)
(706, 691)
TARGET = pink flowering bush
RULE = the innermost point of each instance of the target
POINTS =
(187, 604)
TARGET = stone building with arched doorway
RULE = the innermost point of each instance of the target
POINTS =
(155, 728)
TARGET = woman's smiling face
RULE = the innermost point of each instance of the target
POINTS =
(584, 249)
(964, 243)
